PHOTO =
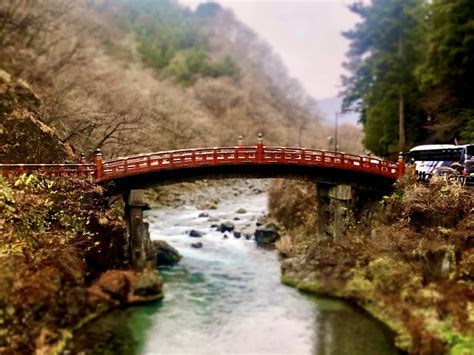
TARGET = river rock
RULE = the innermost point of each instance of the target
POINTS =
(214, 226)
(165, 253)
(195, 234)
(203, 215)
(149, 283)
(225, 236)
(247, 236)
(260, 221)
(213, 219)
(266, 235)
(197, 245)
(241, 211)
(226, 226)
(237, 234)
(236, 219)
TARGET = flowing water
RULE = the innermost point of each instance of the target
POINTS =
(226, 298)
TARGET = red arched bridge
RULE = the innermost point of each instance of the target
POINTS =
(240, 161)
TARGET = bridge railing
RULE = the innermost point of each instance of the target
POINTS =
(50, 170)
(245, 155)
(174, 159)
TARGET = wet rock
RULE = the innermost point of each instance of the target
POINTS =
(247, 236)
(213, 219)
(214, 226)
(267, 235)
(195, 234)
(197, 245)
(241, 211)
(260, 221)
(237, 234)
(236, 219)
(149, 283)
(203, 215)
(226, 226)
(225, 236)
(165, 253)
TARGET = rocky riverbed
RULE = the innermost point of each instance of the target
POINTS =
(225, 295)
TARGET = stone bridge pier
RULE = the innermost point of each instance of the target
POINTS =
(338, 205)
(140, 250)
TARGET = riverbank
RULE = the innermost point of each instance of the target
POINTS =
(62, 260)
(414, 270)
(226, 296)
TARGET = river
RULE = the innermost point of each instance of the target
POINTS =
(226, 298)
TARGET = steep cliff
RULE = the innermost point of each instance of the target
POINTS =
(24, 138)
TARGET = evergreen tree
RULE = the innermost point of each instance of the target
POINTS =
(447, 74)
(385, 49)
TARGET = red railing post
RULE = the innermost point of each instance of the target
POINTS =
(82, 161)
(401, 165)
(238, 148)
(98, 164)
(148, 162)
(260, 149)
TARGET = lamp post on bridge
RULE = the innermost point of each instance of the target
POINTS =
(239, 141)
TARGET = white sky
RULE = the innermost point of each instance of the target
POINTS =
(305, 33)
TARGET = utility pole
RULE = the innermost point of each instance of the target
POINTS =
(335, 132)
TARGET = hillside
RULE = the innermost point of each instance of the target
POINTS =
(143, 76)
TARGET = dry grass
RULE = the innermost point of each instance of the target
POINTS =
(52, 244)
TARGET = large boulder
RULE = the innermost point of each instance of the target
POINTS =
(128, 286)
(267, 235)
(165, 253)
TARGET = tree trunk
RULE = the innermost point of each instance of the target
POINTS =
(401, 121)
(401, 101)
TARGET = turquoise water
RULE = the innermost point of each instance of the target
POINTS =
(226, 298)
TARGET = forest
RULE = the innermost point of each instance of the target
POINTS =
(411, 73)
(141, 76)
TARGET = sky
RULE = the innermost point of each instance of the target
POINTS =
(305, 33)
